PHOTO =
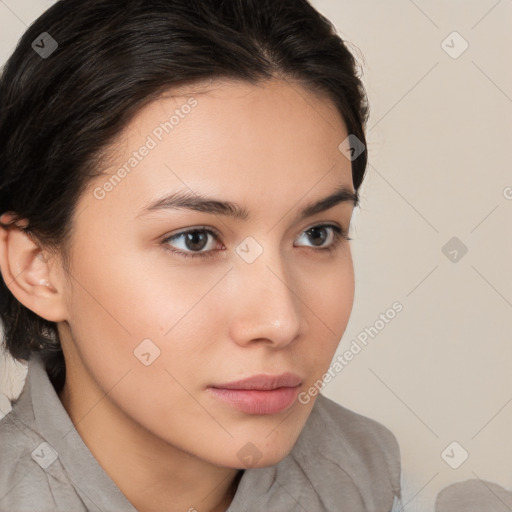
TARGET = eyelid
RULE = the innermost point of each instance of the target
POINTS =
(194, 228)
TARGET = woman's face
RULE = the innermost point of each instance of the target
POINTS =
(156, 317)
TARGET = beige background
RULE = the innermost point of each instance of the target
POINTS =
(439, 140)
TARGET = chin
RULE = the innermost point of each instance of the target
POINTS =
(270, 460)
(253, 455)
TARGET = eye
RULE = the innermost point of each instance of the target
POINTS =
(326, 236)
(192, 243)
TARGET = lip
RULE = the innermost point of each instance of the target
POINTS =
(259, 394)
(263, 382)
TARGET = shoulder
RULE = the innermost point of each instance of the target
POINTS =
(16, 444)
(361, 449)
(24, 484)
(15, 441)
(365, 436)
(341, 461)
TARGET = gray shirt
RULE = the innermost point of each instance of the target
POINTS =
(341, 462)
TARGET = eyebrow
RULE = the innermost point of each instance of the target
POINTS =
(199, 203)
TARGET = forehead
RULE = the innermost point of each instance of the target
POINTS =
(229, 138)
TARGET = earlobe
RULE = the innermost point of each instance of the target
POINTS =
(26, 272)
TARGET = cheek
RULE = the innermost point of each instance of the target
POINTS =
(120, 305)
(140, 332)
(134, 293)
(329, 297)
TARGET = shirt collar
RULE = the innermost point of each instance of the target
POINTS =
(55, 426)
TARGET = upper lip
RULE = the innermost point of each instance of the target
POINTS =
(263, 382)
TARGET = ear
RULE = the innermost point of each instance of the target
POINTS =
(28, 272)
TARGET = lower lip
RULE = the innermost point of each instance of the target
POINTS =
(253, 401)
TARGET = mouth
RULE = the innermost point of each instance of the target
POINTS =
(260, 394)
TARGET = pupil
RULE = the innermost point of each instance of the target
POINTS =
(323, 236)
(196, 240)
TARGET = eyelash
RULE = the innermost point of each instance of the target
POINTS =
(340, 235)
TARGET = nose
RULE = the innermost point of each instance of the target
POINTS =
(265, 306)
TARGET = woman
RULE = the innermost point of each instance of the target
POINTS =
(177, 186)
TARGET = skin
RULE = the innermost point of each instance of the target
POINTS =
(162, 437)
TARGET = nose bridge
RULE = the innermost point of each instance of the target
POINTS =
(267, 305)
